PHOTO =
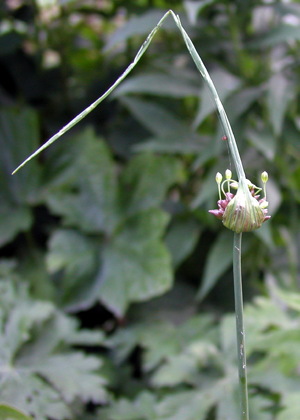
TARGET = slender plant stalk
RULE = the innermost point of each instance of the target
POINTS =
(240, 331)
(238, 165)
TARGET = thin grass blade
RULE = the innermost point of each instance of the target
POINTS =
(91, 107)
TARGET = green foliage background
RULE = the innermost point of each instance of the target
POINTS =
(116, 288)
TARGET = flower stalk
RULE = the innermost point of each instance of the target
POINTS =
(240, 330)
(243, 211)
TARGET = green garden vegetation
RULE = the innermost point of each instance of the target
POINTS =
(116, 283)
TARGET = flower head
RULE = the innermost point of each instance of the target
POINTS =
(243, 211)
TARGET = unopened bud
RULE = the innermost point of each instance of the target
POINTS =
(218, 178)
(264, 177)
(234, 185)
(228, 174)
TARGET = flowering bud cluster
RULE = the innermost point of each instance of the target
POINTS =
(243, 211)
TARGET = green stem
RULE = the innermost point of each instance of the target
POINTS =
(240, 331)
(223, 117)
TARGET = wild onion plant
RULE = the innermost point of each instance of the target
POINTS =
(239, 206)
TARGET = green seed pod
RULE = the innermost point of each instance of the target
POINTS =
(243, 213)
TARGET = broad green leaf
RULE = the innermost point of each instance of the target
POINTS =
(181, 239)
(156, 118)
(163, 340)
(13, 222)
(10, 413)
(73, 259)
(207, 191)
(93, 207)
(142, 408)
(70, 250)
(18, 327)
(260, 407)
(267, 374)
(146, 179)
(240, 101)
(75, 376)
(18, 137)
(264, 141)
(188, 405)
(218, 261)
(39, 372)
(291, 299)
(158, 84)
(280, 93)
(18, 390)
(135, 264)
(291, 409)
(183, 368)
(228, 406)
(281, 33)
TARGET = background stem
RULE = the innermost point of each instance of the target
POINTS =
(240, 332)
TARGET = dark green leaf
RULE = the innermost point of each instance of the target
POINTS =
(158, 84)
(291, 410)
(10, 413)
(280, 93)
(193, 8)
(13, 222)
(281, 33)
(34, 377)
(225, 83)
(146, 179)
(181, 239)
(136, 264)
(156, 118)
(94, 206)
(218, 261)
(18, 137)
